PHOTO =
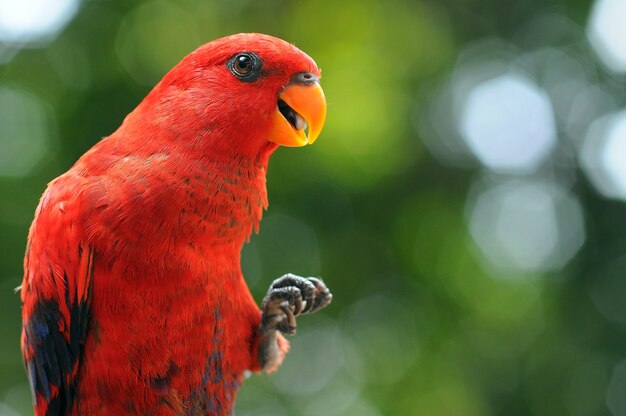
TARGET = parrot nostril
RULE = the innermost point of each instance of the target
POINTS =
(304, 78)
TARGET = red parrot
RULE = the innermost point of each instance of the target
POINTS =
(133, 297)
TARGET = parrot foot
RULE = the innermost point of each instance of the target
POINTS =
(290, 296)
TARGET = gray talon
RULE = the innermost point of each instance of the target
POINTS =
(290, 296)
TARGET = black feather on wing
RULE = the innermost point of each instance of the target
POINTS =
(53, 341)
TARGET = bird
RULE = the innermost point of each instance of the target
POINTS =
(133, 297)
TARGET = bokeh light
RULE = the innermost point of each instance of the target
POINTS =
(506, 106)
(154, 37)
(26, 131)
(589, 103)
(374, 321)
(527, 226)
(508, 123)
(285, 244)
(606, 32)
(608, 288)
(322, 347)
(615, 398)
(26, 21)
(602, 155)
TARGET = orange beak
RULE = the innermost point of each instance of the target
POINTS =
(299, 116)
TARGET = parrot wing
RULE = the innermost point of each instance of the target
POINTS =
(56, 294)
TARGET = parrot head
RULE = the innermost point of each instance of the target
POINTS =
(243, 92)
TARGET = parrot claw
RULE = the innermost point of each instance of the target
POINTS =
(290, 296)
(322, 297)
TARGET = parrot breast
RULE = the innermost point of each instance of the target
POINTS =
(172, 318)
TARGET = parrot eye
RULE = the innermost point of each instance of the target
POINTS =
(243, 65)
(246, 66)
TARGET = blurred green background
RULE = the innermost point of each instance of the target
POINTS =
(465, 202)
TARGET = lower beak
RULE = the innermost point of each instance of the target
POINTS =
(299, 116)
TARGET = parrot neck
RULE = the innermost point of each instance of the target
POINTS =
(213, 178)
(235, 197)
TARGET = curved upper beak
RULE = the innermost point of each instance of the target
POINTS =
(300, 112)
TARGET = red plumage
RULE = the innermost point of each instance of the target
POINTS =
(133, 296)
